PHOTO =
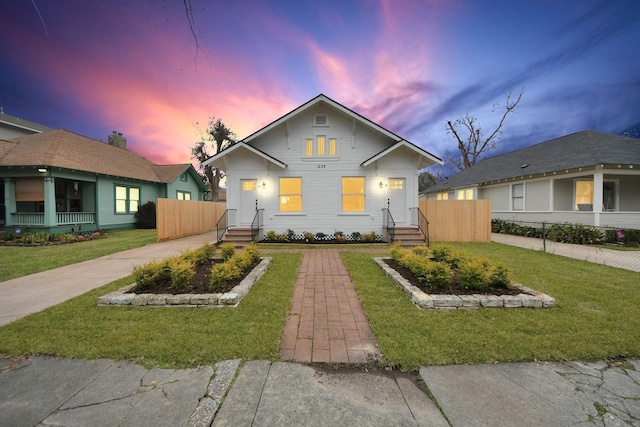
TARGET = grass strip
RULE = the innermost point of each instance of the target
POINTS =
(164, 337)
(597, 314)
(18, 261)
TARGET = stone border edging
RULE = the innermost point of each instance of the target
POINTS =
(232, 298)
(529, 298)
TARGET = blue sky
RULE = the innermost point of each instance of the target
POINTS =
(133, 66)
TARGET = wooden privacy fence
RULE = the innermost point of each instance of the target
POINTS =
(458, 220)
(179, 218)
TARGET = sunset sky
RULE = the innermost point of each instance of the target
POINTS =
(133, 66)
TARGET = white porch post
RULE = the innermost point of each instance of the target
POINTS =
(598, 198)
(50, 217)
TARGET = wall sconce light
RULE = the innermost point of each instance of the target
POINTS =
(42, 169)
(264, 185)
(380, 185)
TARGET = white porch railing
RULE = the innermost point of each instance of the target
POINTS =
(27, 218)
(63, 218)
(69, 218)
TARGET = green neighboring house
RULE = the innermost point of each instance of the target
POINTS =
(59, 181)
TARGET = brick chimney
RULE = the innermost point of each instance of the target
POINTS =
(117, 140)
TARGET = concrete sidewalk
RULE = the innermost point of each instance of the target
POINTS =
(60, 392)
(30, 294)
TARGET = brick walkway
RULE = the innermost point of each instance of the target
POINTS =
(326, 322)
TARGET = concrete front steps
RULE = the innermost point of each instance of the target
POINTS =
(408, 236)
(240, 237)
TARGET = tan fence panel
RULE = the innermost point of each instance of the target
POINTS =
(458, 220)
(179, 218)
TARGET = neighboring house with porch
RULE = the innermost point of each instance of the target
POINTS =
(588, 177)
(322, 168)
(59, 181)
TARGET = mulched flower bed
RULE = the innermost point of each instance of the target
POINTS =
(199, 283)
(455, 288)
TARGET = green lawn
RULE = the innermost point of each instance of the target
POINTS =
(597, 314)
(165, 337)
(16, 261)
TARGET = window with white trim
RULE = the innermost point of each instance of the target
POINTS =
(517, 197)
(183, 195)
(290, 195)
(127, 199)
(353, 194)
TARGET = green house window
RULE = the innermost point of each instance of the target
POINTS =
(127, 199)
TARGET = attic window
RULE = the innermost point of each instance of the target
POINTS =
(320, 120)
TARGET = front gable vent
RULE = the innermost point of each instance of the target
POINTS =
(320, 120)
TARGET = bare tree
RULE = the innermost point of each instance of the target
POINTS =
(216, 138)
(472, 142)
(428, 179)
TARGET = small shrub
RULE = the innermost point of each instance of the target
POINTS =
(227, 250)
(223, 273)
(356, 236)
(290, 234)
(472, 274)
(149, 274)
(271, 235)
(308, 237)
(435, 275)
(499, 276)
(422, 250)
(200, 255)
(241, 260)
(369, 237)
(252, 252)
(146, 216)
(320, 236)
(181, 271)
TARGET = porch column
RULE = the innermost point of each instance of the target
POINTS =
(10, 200)
(50, 217)
(598, 198)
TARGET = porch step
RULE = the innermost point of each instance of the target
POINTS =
(240, 237)
(408, 236)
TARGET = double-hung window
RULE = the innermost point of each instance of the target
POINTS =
(290, 195)
(517, 197)
(183, 195)
(127, 199)
(353, 194)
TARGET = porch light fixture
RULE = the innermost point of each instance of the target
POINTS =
(380, 185)
(42, 169)
(264, 185)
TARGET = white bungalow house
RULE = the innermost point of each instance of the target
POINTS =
(322, 168)
(588, 177)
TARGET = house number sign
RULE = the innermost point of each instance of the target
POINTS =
(321, 166)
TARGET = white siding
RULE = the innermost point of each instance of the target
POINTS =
(322, 177)
(499, 196)
(537, 195)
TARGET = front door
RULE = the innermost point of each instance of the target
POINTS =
(248, 200)
(397, 199)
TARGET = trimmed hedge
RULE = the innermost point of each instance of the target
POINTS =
(441, 266)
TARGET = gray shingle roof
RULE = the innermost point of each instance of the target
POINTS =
(581, 149)
(22, 123)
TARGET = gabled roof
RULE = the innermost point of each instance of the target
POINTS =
(64, 149)
(423, 156)
(169, 173)
(318, 100)
(427, 159)
(577, 150)
(14, 121)
(241, 145)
